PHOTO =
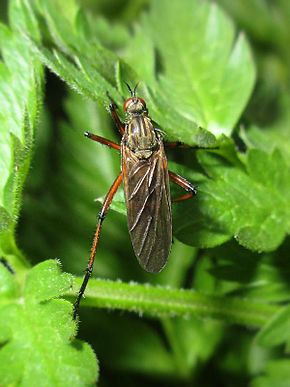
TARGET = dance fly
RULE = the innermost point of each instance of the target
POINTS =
(145, 177)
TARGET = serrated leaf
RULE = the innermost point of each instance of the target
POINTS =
(199, 95)
(249, 204)
(208, 74)
(78, 58)
(37, 332)
(21, 77)
(20, 87)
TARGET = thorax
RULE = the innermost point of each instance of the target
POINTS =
(140, 136)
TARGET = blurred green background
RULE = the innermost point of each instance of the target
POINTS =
(59, 214)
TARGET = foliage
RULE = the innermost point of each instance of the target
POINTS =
(37, 332)
(229, 260)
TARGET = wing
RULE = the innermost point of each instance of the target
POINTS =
(146, 185)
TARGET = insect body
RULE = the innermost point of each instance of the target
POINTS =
(146, 185)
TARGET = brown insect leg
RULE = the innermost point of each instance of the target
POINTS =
(102, 215)
(116, 118)
(182, 182)
(103, 140)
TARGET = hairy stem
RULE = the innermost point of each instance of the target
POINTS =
(158, 301)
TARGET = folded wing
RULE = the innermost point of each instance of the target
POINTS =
(147, 195)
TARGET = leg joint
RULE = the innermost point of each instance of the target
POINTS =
(101, 216)
(112, 106)
(89, 270)
(192, 189)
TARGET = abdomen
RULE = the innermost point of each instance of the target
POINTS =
(147, 195)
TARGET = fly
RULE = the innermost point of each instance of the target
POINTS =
(145, 177)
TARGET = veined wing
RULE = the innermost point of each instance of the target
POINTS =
(146, 185)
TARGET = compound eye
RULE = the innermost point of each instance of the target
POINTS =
(142, 101)
(127, 103)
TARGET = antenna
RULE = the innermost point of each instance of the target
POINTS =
(134, 91)
(129, 88)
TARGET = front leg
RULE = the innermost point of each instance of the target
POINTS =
(113, 109)
(102, 140)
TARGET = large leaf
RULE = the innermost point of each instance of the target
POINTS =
(208, 72)
(203, 84)
(20, 94)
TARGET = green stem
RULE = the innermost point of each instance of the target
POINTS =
(162, 302)
(10, 251)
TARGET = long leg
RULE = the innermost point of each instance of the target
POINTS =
(102, 215)
(182, 182)
(103, 140)
(116, 118)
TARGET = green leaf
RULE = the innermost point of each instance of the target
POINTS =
(208, 74)
(194, 98)
(21, 78)
(250, 204)
(37, 332)
(78, 58)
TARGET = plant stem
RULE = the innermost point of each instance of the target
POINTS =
(158, 302)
